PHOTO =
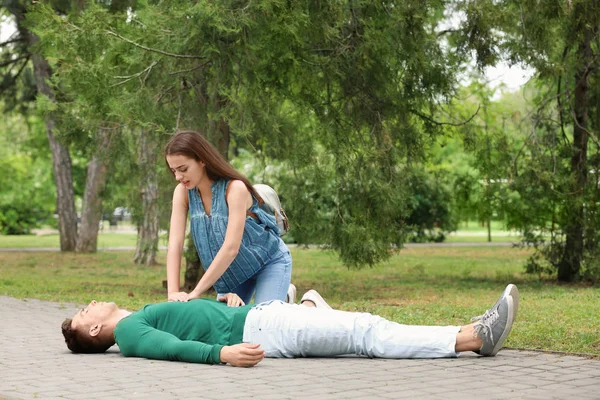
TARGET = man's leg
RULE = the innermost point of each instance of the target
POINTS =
(485, 337)
(285, 330)
(467, 339)
(290, 331)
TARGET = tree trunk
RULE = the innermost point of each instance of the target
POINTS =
(61, 160)
(193, 274)
(570, 264)
(193, 266)
(87, 240)
(223, 138)
(219, 132)
(147, 243)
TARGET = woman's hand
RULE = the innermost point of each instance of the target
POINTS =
(179, 296)
(232, 300)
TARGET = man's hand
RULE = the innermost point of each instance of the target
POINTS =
(179, 296)
(242, 355)
(232, 300)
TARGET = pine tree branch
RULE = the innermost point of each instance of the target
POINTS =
(14, 60)
(164, 53)
(445, 31)
(162, 94)
(21, 69)
(14, 40)
(127, 78)
(9, 82)
(433, 121)
(190, 69)
(584, 129)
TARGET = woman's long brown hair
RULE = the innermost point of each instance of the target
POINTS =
(194, 145)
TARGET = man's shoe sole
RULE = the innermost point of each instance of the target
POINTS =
(507, 328)
(511, 290)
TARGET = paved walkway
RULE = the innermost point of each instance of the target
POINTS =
(34, 363)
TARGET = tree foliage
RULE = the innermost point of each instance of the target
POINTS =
(342, 93)
(341, 104)
(555, 172)
(27, 198)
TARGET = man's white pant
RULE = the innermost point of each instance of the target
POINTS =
(291, 330)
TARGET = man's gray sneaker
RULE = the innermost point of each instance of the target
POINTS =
(510, 290)
(495, 325)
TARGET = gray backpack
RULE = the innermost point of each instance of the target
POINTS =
(272, 206)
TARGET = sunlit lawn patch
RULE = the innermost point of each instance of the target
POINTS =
(105, 240)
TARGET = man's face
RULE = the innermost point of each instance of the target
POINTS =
(95, 313)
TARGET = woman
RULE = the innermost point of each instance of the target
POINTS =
(237, 241)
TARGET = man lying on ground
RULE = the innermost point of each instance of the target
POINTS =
(226, 331)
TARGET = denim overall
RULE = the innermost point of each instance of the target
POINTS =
(261, 247)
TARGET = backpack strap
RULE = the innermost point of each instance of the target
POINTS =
(251, 214)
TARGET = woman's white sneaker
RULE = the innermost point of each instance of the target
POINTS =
(316, 298)
(291, 294)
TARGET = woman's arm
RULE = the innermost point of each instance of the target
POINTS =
(176, 240)
(238, 201)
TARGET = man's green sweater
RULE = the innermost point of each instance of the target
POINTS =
(194, 331)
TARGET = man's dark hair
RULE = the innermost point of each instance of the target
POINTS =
(81, 342)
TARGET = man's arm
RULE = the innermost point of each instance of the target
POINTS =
(158, 345)
(155, 344)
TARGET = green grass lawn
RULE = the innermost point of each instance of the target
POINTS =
(106, 240)
(496, 238)
(472, 232)
(475, 226)
(417, 286)
(475, 232)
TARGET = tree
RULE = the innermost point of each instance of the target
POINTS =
(147, 244)
(561, 41)
(22, 44)
(85, 85)
(430, 216)
(344, 90)
(491, 138)
(87, 239)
